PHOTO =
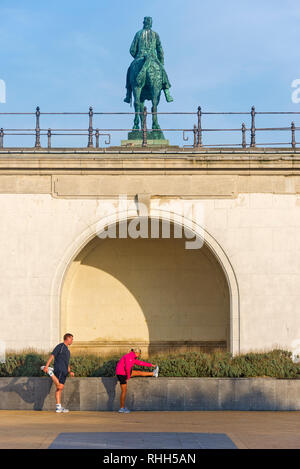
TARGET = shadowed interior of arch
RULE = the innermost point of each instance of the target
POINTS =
(151, 292)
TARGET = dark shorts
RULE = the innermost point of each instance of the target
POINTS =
(123, 378)
(61, 376)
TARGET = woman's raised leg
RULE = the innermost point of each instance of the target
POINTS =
(142, 373)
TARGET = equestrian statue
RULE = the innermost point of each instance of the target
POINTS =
(146, 76)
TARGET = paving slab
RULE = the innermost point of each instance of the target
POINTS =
(254, 430)
(142, 440)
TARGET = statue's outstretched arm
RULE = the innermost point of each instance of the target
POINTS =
(134, 46)
(159, 50)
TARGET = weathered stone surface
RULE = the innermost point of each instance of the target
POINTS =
(162, 394)
(137, 142)
(53, 201)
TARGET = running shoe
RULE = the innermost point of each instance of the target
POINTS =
(124, 410)
(50, 370)
(60, 410)
(155, 372)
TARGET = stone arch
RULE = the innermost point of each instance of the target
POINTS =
(91, 232)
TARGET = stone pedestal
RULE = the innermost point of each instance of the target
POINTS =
(154, 138)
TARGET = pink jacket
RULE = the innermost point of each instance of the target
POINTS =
(126, 363)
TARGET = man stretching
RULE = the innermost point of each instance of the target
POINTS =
(61, 356)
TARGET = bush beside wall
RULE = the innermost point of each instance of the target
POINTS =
(275, 364)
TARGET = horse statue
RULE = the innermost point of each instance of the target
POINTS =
(146, 76)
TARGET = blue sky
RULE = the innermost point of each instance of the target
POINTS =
(225, 56)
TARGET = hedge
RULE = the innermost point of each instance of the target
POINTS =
(275, 364)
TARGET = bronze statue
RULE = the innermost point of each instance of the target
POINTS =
(146, 76)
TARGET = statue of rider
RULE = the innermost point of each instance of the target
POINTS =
(146, 45)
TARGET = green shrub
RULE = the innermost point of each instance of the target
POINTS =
(108, 368)
(24, 364)
(276, 364)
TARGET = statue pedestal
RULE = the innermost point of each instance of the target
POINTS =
(150, 143)
(154, 138)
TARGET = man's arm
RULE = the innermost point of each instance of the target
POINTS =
(48, 363)
(134, 46)
(70, 372)
(159, 50)
(54, 353)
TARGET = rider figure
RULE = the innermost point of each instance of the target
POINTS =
(146, 45)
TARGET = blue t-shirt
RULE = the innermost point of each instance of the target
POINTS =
(62, 358)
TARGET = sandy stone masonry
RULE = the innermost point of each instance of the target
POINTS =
(52, 202)
(221, 173)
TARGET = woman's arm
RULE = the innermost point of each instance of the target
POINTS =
(139, 362)
(127, 370)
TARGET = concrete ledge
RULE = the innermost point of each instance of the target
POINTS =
(162, 394)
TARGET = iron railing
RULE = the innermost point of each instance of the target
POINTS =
(93, 134)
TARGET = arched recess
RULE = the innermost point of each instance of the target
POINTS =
(84, 242)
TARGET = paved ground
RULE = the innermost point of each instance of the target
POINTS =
(142, 440)
(33, 429)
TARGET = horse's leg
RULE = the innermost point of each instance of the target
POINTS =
(155, 101)
(142, 104)
(137, 105)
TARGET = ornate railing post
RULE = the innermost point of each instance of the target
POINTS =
(97, 138)
(199, 130)
(37, 128)
(195, 136)
(1, 137)
(243, 135)
(293, 135)
(145, 127)
(90, 141)
(49, 138)
(252, 144)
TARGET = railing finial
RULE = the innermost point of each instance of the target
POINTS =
(199, 129)
(243, 135)
(293, 135)
(37, 128)
(252, 144)
(90, 140)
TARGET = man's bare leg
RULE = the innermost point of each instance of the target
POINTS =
(55, 380)
(59, 388)
(58, 391)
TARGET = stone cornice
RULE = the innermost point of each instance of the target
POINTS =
(117, 161)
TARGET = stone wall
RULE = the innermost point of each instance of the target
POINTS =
(162, 394)
(53, 202)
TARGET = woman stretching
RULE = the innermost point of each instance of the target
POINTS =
(124, 372)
